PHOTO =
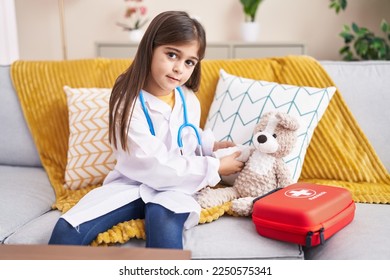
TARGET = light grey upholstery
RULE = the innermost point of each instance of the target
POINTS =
(236, 238)
(25, 194)
(16, 144)
(365, 86)
(36, 231)
(366, 238)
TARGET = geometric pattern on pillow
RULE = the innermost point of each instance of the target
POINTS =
(90, 156)
(239, 103)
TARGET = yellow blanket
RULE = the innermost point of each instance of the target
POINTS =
(339, 153)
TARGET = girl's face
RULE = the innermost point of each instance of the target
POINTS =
(172, 66)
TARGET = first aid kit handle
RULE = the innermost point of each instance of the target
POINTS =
(268, 193)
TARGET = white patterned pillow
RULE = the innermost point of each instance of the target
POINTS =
(240, 102)
(90, 156)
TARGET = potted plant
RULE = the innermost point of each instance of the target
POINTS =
(250, 9)
(361, 43)
(135, 14)
(250, 28)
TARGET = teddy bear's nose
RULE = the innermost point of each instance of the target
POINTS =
(262, 139)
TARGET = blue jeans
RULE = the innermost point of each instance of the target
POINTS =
(163, 228)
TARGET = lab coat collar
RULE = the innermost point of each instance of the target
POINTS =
(155, 104)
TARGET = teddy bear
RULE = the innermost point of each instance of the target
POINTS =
(274, 137)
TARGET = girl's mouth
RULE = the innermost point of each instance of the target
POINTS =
(173, 79)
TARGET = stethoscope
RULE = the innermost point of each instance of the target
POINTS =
(185, 121)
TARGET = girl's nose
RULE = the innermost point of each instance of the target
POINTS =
(178, 68)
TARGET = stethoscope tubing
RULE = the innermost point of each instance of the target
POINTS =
(185, 120)
(148, 119)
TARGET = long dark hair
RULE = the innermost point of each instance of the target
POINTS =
(171, 27)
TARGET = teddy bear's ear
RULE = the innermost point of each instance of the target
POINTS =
(287, 121)
(263, 121)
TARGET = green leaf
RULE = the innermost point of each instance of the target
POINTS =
(382, 52)
(344, 50)
(349, 57)
(250, 8)
(355, 27)
(363, 31)
(348, 37)
(333, 5)
(385, 27)
(378, 43)
(346, 28)
(343, 4)
(361, 47)
(338, 5)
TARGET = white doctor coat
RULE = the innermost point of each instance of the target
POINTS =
(154, 169)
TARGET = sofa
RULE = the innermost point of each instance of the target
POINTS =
(31, 170)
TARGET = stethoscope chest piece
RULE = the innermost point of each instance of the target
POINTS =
(185, 124)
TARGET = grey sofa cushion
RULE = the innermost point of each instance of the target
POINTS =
(16, 144)
(25, 194)
(232, 238)
(365, 86)
(366, 238)
(37, 231)
(236, 238)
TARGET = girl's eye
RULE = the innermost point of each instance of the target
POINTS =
(172, 55)
(190, 62)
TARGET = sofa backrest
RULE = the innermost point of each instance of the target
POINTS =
(338, 152)
(16, 144)
(365, 86)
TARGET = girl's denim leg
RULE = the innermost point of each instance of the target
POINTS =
(84, 234)
(164, 228)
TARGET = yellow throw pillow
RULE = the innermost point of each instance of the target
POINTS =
(90, 156)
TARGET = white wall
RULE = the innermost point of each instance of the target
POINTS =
(9, 49)
(87, 21)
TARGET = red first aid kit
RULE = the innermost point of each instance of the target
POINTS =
(303, 213)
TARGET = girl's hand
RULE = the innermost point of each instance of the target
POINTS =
(230, 165)
(222, 145)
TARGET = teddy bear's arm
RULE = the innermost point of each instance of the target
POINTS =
(246, 151)
(210, 197)
(243, 206)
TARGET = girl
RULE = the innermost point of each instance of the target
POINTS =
(159, 149)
